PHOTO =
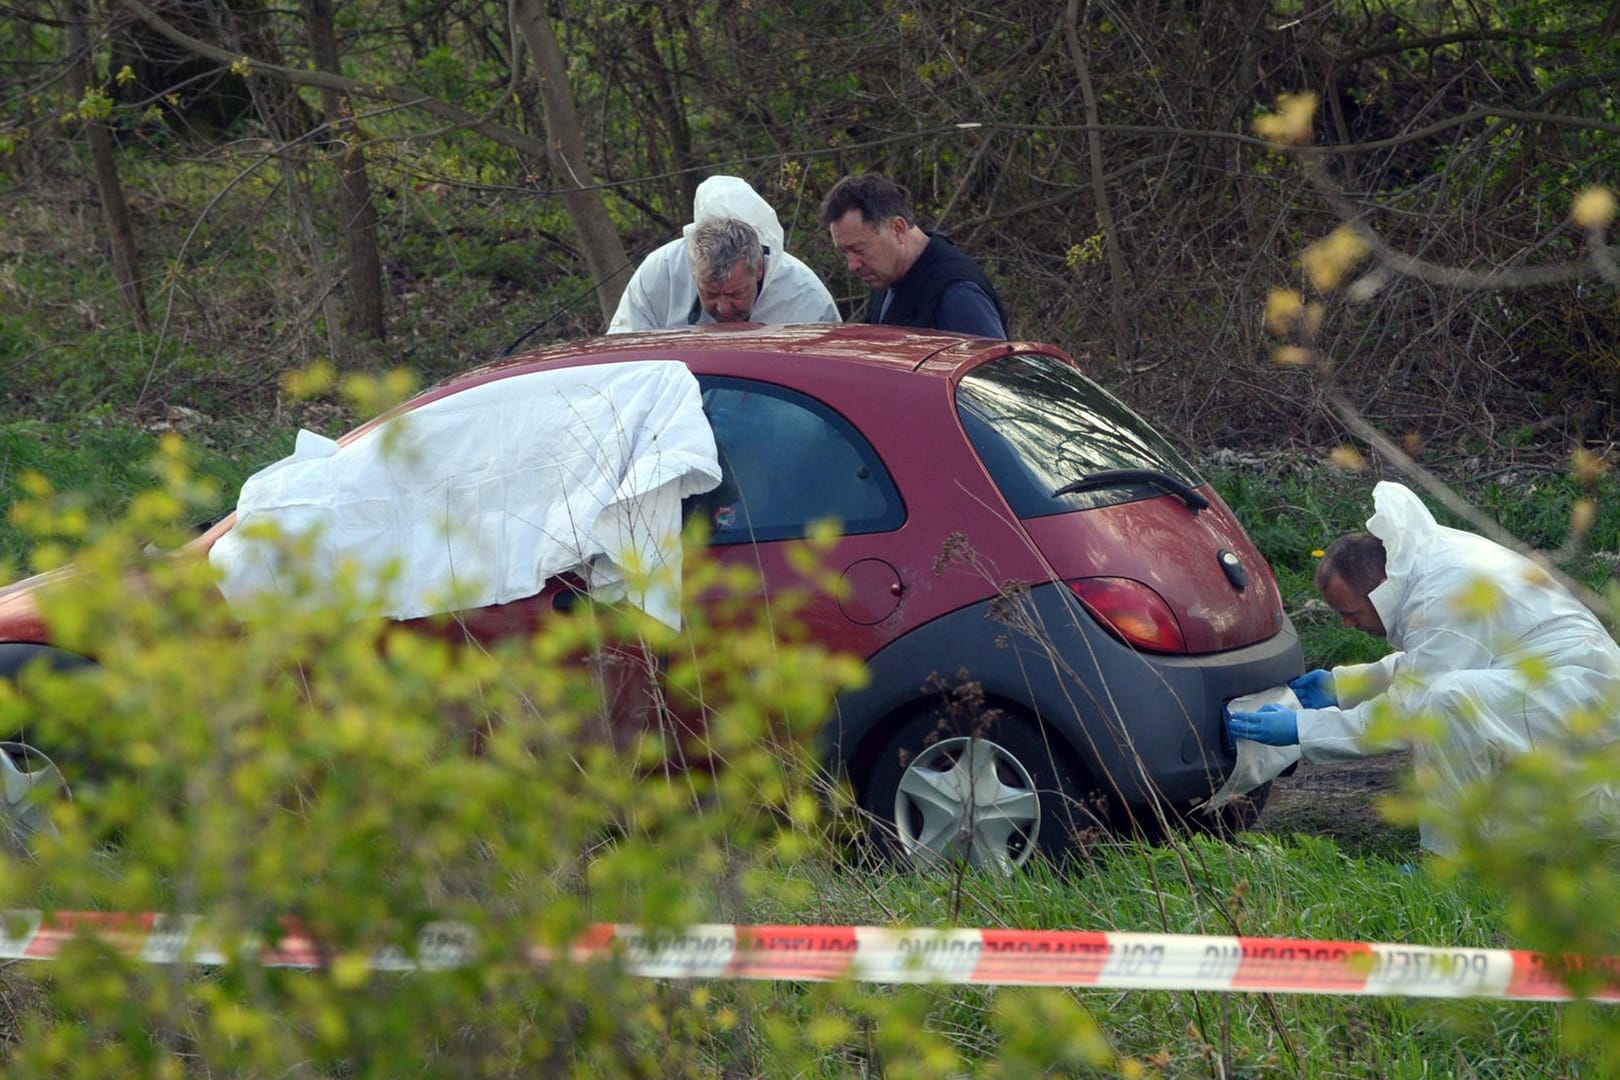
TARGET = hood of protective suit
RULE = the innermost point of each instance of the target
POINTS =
(1408, 530)
(731, 197)
(661, 295)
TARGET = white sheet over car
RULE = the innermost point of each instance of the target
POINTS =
(480, 496)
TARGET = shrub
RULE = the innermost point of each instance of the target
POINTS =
(318, 762)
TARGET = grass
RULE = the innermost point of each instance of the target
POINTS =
(1290, 515)
(85, 404)
(106, 465)
(1293, 885)
(1259, 885)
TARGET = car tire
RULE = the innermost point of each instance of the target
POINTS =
(993, 794)
(30, 783)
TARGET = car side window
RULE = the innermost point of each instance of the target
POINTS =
(789, 461)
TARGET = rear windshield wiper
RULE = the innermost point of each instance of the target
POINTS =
(1125, 477)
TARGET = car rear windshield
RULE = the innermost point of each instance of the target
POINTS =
(1038, 425)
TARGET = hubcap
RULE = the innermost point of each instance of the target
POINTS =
(28, 783)
(964, 798)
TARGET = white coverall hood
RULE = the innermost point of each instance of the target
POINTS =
(1407, 529)
(662, 293)
(731, 197)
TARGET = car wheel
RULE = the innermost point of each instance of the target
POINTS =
(29, 783)
(991, 797)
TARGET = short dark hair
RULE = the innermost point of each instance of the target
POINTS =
(1355, 558)
(876, 197)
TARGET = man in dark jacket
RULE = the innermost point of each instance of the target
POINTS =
(916, 279)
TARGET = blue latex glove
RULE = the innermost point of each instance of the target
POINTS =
(1269, 724)
(1314, 689)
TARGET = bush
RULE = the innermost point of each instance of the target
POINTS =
(321, 763)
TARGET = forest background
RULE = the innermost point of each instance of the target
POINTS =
(1284, 232)
(202, 197)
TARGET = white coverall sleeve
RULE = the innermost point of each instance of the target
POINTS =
(1355, 683)
(635, 311)
(1338, 733)
(659, 293)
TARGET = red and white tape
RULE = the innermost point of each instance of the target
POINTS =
(1073, 958)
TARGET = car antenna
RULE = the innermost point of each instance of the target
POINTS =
(527, 334)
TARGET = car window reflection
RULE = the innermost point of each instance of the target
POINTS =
(788, 461)
(1038, 424)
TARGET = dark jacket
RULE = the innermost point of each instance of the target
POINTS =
(917, 295)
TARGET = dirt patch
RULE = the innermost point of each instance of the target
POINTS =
(1339, 801)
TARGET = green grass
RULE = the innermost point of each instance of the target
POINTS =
(104, 466)
(1290, 514)
(1260, 886)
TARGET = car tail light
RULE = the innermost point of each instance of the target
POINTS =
(1132, 612)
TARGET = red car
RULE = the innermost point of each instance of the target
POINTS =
(1005, 524)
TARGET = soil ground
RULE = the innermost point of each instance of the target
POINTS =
(1339, 801)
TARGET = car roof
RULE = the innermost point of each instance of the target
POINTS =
(753, 347)
(743, 349)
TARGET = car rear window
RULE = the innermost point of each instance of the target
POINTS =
(1038, 424)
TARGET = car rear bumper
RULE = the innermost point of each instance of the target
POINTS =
(1146, 726)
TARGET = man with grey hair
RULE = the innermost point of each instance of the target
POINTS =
(728, 266)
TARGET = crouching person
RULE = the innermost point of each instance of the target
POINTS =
(1494, 660)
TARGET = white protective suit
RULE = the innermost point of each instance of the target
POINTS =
(1466, 613)
(663, 295)
(480, 496)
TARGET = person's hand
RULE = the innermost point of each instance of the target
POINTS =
(1314, 689)
(1269, 724)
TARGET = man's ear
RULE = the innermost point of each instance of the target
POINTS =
(899, 226)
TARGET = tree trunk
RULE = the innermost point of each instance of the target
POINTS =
(283, 115)
(114, 208)
(359, 215)
(666, 99)
(1120, 280)
(565, 149)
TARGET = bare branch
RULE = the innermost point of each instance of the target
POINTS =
(1120, 281)
(415, 99)
(1433, 273)
(1442, 492)
(1456, 37)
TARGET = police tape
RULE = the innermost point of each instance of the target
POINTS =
(1060, 958)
